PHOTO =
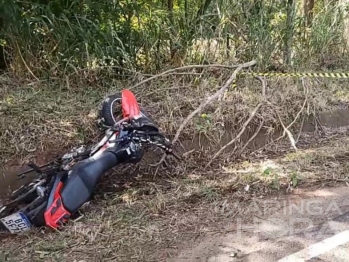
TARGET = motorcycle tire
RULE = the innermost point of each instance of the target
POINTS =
(110, 115)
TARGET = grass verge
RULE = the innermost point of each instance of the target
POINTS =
(137, 216)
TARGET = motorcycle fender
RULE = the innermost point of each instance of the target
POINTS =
(130, 107)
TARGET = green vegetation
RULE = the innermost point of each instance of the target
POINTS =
(47, 39)
(60, 58)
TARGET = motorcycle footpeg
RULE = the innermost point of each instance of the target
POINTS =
(35, 167)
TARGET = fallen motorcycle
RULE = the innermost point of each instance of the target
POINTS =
(62, 186)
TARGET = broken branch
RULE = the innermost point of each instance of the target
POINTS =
(238, 68)
(207, 101)
(252, 137)
(211, 98)
(238, 136)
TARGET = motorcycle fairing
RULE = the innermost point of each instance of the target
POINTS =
(56, 212)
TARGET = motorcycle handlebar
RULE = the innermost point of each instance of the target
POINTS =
(146, 138)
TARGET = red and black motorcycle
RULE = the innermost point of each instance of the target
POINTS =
(64, 185)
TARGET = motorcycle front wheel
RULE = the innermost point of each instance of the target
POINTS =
(111, 111)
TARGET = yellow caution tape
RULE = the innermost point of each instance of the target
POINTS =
(276, 74)
(323, 75)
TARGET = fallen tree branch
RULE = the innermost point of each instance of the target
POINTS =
(318, 124)
(252, 137)
(300, 129)
(206, 102)
(306, 92)
(25, 64)
(286, 131)
(264, 86)
(238, 136)
(211, 98)
(238, 68)
(303, 106)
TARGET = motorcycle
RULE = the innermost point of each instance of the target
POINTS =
(63, 186)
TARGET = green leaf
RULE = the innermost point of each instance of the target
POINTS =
(294, 180)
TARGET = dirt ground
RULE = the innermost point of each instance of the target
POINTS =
(240, 212)
(281, 226)
(183, 212)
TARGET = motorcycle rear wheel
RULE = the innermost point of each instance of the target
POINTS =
(27, 200)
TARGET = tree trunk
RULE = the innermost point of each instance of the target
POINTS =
(203, 9)
(173, 49)
(345, 4)
(170, 10)
(289, 31)
(308, 6)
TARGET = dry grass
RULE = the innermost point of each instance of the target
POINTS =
(321, 161)
(45, 114)
(139, 219)
(37, 119)
(136, 217)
